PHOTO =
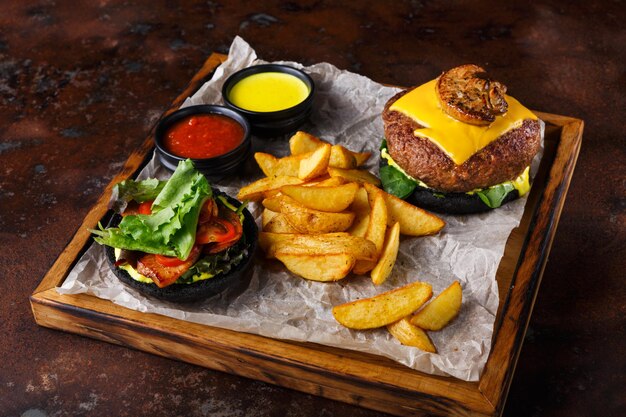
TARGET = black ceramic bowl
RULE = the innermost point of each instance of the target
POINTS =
(231, 282)
(216, 167)
(274, 123)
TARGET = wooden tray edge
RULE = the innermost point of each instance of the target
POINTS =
(499, 370)
(257, 357)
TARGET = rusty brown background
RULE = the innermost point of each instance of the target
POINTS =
(82, 83)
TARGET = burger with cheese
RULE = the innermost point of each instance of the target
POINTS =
(458, 144)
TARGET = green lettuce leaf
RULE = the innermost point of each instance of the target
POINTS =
(131, 190)
(171, 228)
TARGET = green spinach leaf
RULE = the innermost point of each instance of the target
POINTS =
(395, 182)
(493, 196)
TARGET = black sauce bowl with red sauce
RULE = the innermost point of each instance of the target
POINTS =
(215, 138)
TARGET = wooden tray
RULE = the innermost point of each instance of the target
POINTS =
(366, 380)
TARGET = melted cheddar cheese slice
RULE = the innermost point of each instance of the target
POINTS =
(457, 139)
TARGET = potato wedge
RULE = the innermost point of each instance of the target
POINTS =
(321, 244)
(325, 182)
(279, 224)
(289, 165)
(316, 180)
(362, 267)
(359, 225)
(363, 251)
(316, 164)
(372, 191)
(307, 220)
(361, 209)
(340, 157)
(272, 193)
(378, 222)
(322, 268)
(442, 310)
(383, 309)
(414, 221)
(361, 202)
(266, 216)
(265, 187)
(330, 199)
(388, 256)
(375, 232)
(354, 175)
(273, 202)
(302, 142)
(410, 335)
(272, 166)
(361, 157)
(267, 240)
(266, 162)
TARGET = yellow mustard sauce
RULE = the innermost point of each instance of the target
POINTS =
(522, 183)
(457, 139)
(268, 91)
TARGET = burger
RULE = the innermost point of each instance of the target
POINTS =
(458, 144)
(178, 240)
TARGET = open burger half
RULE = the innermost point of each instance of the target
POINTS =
(178, 240)
(458, 144)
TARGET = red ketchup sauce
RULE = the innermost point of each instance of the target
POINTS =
(203, 136)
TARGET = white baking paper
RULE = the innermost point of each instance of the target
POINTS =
(280, 305)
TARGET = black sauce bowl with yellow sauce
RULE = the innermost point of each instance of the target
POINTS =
(275, 99)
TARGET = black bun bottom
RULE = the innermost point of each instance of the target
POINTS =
(452, 203)
(234, 281)
(449, 203)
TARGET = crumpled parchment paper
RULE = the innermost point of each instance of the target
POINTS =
(277, 304)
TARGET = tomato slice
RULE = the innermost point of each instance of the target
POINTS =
(232, 218)
(215, 230)
(173, 260)
(208, 211)
(146, 207)
(218, 247)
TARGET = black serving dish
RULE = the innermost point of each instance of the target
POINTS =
(275, 123)
(214, 168)
(230, 283)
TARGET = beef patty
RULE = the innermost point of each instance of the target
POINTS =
(502, 160)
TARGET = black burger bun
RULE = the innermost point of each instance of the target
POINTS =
(233, 281)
